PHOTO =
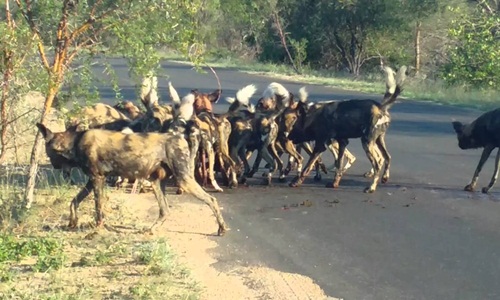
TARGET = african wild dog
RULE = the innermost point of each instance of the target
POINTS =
(213, 135)
(100, 153)
(274, 101)
(366, 119)
(484, 132)
(129, 109)
(203, 101)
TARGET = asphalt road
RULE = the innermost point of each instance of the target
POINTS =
(418, 237)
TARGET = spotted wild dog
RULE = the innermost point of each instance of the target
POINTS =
(129, 109)
(343, 120)
(483, 132)
(212, 133)
(100, 153)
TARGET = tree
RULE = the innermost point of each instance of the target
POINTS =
(474, 59)
(72, 29)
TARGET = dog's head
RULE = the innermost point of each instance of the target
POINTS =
(266, 104)
(288, 120)
(203, 101)
(129, 109)
(464, 135)
(156, 117)
(59, 144)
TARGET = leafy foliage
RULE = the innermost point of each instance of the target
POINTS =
(49, 252)
(474, 60)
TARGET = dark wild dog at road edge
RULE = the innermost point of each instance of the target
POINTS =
(343, 120)
(100, 153)
(483, 132)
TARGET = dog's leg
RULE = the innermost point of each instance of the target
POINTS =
(370, 149)
(256, 163)
(486, 189)
(342, 146)
(382, 147)
(84, 192)
(204, 166)
(162, 203)
(268, 157)
(232, 169)
(191, 186)
(484, 157)
(194, 148)
(307, 147)
(318, 149)
(277, 159)
(99, 196)
(211, 163)
(292, 151)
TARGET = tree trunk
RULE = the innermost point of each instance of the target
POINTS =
(282, 36)
(3, 106)
(35, 152)
(417, 46)
(8, 56)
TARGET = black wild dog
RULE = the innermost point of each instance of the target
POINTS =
(366, 119)
(484, 132)
(100, 153)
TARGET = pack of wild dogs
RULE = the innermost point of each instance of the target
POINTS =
(185, 140)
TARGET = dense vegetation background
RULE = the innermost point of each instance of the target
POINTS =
(452, 40)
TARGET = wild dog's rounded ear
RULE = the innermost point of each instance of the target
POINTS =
(457, 126)
(215, 95)
(46, 133)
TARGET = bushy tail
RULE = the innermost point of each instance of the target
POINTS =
(174, 96)
(242, 98)
(303, 94)
(278, 92)
(394, 85)
(149, 91)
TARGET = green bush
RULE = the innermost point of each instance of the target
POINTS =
(48, 251)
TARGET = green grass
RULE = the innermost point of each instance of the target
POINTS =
(40, 259)
(417, 89)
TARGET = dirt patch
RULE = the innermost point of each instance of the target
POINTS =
(189, 229)
(123, 262)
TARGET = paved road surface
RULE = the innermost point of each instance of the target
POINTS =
(418, 237)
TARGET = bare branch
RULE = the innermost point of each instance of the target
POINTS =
(486, 6)
(282, 36)
(28, 15)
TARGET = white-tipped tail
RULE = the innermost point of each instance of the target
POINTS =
(390, 81)
(149, 90)
(303, 94)
(230, 100)
(186, 110)
(127, 130)
(244, 94)
(174, 96)
(251, 108)
(401, 75)
(279, 89)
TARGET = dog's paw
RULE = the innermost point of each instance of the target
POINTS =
(469, 188)
(485, 190)
(368, 190)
